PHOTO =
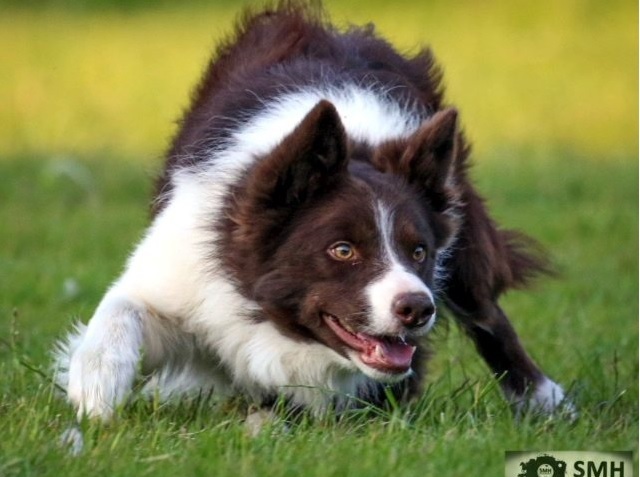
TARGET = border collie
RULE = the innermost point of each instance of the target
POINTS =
(314, 210)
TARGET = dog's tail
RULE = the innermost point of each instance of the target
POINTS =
(527, 259)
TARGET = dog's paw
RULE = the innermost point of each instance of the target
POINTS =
(91, 389)
(72, 440)
(257, 420)
(99, 381)
(548, 398)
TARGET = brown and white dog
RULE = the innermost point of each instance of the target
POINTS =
(314, 210)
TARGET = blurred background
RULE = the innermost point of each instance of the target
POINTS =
(83, 77)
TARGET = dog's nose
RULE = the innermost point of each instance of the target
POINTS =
(413, 309)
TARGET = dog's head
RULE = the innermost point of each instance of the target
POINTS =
(342, 249)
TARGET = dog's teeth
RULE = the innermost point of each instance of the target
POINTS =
(378, 351)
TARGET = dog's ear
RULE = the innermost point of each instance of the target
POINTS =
(428, 160)
(307, 162)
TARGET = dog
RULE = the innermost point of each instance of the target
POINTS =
(314, 210)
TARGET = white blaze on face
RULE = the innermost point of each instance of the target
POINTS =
(396, 280)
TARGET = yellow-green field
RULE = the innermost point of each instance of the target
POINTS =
(548, 93)
(538, 74)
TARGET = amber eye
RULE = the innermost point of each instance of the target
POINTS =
(342, 251)
(419, 254)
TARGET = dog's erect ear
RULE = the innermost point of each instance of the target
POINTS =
(308, 161)
(428, 159)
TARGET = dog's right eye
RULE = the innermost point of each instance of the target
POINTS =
(419, 254)
(342, 251)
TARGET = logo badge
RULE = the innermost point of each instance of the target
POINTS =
(568, 464)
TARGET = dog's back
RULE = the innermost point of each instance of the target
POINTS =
(292, 48)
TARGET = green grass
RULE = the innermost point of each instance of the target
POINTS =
(74, 222)
(548, 93)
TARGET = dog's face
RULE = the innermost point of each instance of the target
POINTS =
(344, 249)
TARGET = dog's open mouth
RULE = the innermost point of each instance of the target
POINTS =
(389, 354)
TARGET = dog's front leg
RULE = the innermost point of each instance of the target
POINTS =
(163, 284)
(482, 264)
(103, 365)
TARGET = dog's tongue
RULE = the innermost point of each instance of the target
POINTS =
(388, 354)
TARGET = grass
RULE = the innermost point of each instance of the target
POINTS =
(69, 225)
(547, 92)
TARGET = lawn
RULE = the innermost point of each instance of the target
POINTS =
(88, 104)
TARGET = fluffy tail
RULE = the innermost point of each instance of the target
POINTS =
(526, 258)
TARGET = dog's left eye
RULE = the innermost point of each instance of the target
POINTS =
(342, 251)
(419, 254)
